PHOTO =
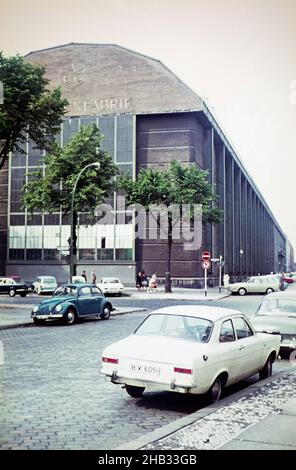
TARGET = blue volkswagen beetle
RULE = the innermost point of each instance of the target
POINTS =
(71, 302)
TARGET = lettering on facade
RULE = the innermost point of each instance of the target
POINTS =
(103, 105)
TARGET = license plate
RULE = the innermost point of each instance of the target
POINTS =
(145, 369)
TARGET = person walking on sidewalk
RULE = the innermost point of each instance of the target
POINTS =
(93, 277)
(144, 281)
(226, 281)
(153, 282)
(139, 281)
(84, 275)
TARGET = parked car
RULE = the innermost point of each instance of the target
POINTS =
(44, 284)
(110, 285)
(256, 284)
(289, 278)
(71, 302)
(78, 280)
(13, 285)
(277, 313)
(190, 349)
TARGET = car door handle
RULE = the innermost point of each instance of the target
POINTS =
(241, 348)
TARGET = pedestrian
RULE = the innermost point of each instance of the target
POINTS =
(282, 282)
(153, 282)
(226, 281)
(84, 275)
(93, 277)
(139, 281)
(144, 281)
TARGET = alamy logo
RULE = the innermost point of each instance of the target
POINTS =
(181, 222)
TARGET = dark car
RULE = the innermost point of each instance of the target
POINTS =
(277, 315)
(71, 302)
(13, 285)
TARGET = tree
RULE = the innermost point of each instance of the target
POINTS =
(53, 191)
(29, 107)
(177, 185)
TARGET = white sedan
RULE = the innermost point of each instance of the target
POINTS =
(256, 284)
(110, 285)
(190, 349)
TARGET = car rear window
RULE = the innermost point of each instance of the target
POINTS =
(277, 307)
(49, 280)
(176, 326)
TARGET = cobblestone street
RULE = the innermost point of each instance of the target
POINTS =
(53, 396)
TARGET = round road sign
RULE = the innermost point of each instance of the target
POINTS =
(206, 256)
(206, 264)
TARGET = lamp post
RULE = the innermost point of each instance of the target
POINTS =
(241, 252)
(72, 263)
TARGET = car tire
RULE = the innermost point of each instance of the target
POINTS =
(269, 290)
(38, 322)
(267, 369)
(70, 316)
(214, 393)
(23, 294)
(242, 291)
(135, 392)
(105, 315)
(11, 293)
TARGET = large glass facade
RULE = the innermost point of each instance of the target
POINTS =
(43, 236)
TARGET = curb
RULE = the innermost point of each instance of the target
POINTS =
(180, 423)
(180, 297)
(28, 324)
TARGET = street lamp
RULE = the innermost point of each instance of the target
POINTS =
(97, 165)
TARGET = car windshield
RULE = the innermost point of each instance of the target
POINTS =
(66, 290)
(278, 306)
(176, 326)
(110, 281)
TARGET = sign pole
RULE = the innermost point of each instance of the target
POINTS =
(220, 273)
(206, 282)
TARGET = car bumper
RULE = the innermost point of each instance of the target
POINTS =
(287, 346)
(174, 385)
(53, 316)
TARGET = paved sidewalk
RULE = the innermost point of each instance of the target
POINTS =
(179, 293)
(263, 416)
(17, 315)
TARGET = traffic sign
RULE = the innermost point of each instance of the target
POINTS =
(206, 264)
(206, 256)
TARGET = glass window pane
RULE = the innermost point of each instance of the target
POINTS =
(16, 254)
(105, 254)
(227, 332)
(86, 254)
(124, 254)
(33, 254)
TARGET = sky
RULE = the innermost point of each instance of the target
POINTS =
(238, 55)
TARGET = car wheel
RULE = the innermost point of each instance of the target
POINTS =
(38, 322)
(11, 293)
(269, 290)
(106, 312)
(215, 391)
(135, 392)
(242, 291)
(267, 369)
(23, 294)
(70, 316)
